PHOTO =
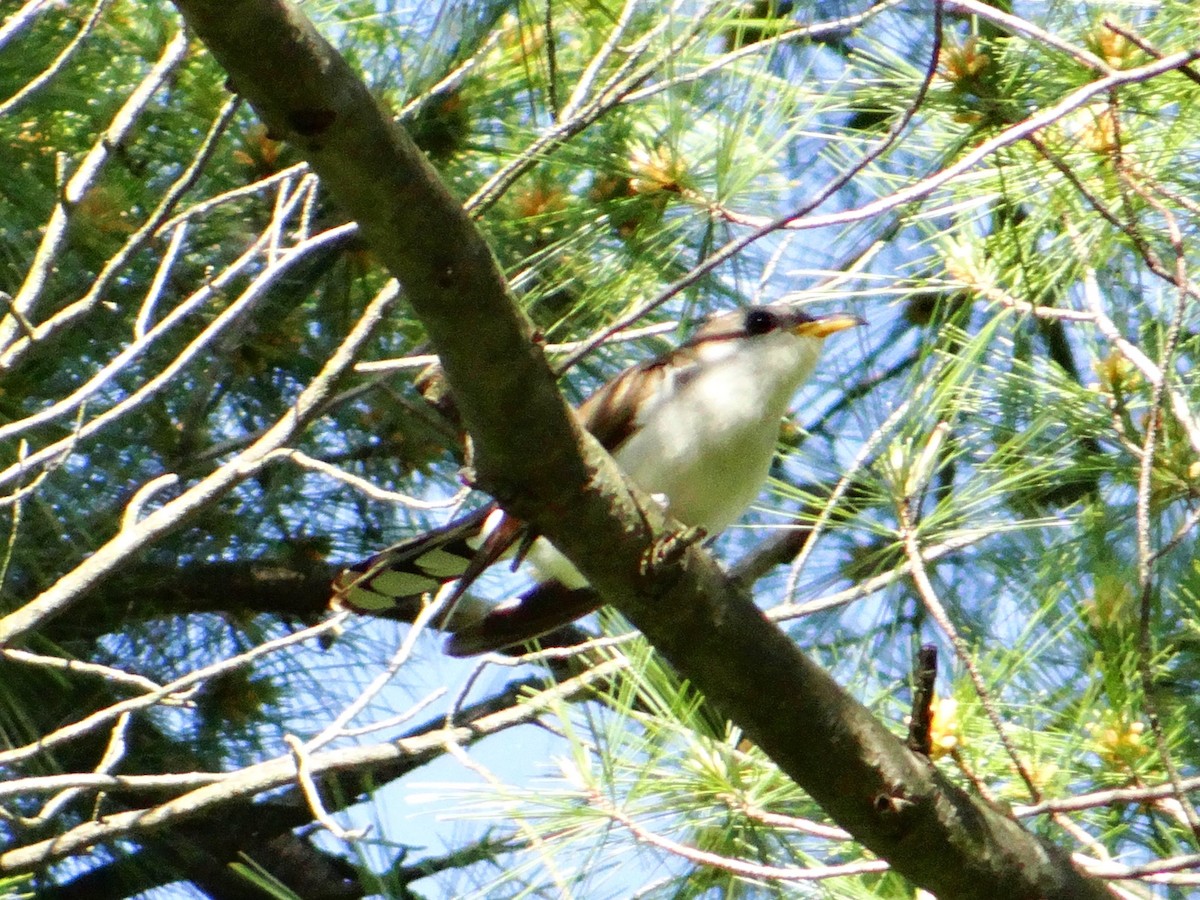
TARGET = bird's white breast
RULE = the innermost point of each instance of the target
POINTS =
(706, 442)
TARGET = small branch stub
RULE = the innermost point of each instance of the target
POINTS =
(920, 723)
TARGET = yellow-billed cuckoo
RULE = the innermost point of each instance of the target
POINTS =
(696, 428)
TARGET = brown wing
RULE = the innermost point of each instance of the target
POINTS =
(610, 414)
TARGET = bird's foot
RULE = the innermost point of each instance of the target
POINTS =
(669, 548)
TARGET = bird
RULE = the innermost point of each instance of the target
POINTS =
(696, 428)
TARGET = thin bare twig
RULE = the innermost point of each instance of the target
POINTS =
(23, 18)
(139, 683)
(785, 612)
(1077, 99)
(813, 32)
(169, 516)
(253, 294)
(429, 613)
(1142, 44)
(140, 238)
(367, 488)
(81, 181)
(610, 95)
(312, 795)
(176, 688)
(114, 752)
(44, 77)
(914, 487)
(232, 195)
(587, 78)
(1017, 25)
(738, 867)
(281, 771)
(1146, 557)
(1113, 797)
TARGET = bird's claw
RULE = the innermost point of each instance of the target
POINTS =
(669, 548)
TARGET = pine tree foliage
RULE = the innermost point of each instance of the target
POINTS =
(212, 396)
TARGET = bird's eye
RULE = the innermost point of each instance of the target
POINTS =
(760, 321)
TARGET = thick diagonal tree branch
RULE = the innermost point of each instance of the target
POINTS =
(532, 456)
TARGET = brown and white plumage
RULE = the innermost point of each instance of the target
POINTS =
(696, 427)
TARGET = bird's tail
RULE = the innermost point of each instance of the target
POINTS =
(404, 573)
(541, 612)
(396, 581)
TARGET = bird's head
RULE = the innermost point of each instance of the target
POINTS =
(782, 336)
